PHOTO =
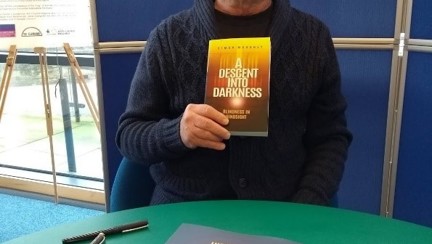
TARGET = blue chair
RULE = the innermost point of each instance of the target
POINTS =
(334, 202)
(132, 188)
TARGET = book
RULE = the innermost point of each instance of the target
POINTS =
(238, 83)
(198, 234)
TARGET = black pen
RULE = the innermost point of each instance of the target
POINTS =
(114, 230)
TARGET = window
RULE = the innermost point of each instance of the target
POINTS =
(29, 152)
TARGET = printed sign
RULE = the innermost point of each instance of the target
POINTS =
(45, 23)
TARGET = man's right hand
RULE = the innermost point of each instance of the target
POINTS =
(203, 126)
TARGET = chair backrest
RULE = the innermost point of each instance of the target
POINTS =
(334, 202)
(133, 186)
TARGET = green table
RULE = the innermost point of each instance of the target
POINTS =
(296, 222)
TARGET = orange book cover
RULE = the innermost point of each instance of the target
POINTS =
(238, 83)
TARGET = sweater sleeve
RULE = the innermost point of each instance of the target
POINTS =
(148, 132)
(326, 138)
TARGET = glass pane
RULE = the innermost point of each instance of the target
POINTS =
(24, 139)
(28, 144)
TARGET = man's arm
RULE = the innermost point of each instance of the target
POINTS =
(327, 138)
(148, 131)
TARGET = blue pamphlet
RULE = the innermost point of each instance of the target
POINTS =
(198, 234)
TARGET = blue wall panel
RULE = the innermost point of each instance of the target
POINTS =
(367, 18)
(421, 24)
(117, 73)
(355, 18)
(133, 20)
(366, 81)
(413, 196)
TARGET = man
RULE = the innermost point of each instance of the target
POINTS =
(190, 153)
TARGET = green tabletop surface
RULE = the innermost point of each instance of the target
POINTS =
(295, 222)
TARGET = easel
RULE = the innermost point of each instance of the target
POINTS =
(9, 64)
(48, 114)
(84, 88)
(41, 51)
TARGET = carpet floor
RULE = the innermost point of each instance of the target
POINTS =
(21, 215)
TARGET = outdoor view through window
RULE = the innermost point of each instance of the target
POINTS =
(49, 116)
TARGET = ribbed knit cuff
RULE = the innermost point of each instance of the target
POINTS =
(310, 197)
(171, 135)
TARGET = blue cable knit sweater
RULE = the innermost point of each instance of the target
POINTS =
(301, 160)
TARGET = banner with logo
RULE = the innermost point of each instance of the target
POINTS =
(44, 23)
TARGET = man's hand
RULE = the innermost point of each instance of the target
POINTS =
(202, 126)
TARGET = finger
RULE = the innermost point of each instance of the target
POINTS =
(211, 128)
(193, 136)
(211, 113)
(206, 135)
(216, 145)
